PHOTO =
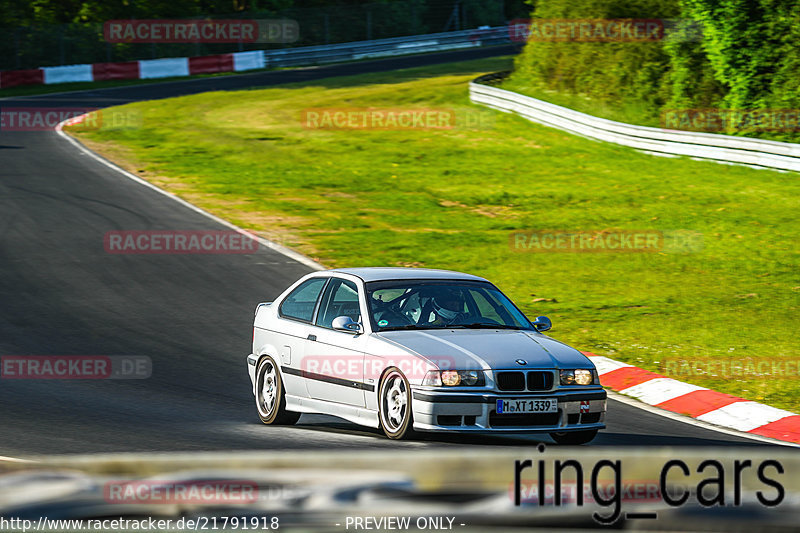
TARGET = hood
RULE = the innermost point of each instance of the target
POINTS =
(488, 349)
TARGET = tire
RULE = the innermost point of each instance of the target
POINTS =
(574, 437)
(394, 405)
(270, 397)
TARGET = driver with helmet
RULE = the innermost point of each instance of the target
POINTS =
(448, 306)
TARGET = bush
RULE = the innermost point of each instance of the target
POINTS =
(746, 59)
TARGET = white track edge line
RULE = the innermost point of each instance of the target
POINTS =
(15, 459)
(287, 252)
(627, 400)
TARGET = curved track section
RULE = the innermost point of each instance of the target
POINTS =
(62, 294)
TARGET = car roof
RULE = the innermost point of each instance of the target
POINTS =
(396, 273)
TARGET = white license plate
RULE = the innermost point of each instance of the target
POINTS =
(527, 405)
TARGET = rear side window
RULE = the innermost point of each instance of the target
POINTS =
(301, 302)
(340, 299)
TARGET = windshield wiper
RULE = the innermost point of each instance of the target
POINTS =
(484, 325)
(476, 325)
(395, 328)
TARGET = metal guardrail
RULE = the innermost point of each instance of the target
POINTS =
(716, 147)
(432, 42)
(257, 59)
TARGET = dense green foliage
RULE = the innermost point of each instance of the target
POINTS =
(27, 13)
(56, 32)
(752, 46)
(746, 58)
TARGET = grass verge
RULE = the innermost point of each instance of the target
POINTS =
(452, 198)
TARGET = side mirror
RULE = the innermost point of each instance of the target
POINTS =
(542, 323)
(345, 323)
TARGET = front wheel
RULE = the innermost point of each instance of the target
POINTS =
(394, 405)
(270, 397)
(574, 437)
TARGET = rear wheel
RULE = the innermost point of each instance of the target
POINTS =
(574, 437)
(394, 405)
(270, 397)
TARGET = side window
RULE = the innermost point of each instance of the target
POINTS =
(301, 302)
(485, 308)
(340, 299)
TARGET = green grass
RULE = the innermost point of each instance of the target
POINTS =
(451, 199)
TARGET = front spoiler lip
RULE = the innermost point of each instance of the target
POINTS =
(507, 430)
(433, 396)
(441, 399)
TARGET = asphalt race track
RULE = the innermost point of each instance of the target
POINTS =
(62, 294)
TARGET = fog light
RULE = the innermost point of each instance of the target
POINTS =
(451, 378)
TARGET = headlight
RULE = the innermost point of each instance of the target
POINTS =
(454, 378)
(470, 377)
(451, 378)
(577, 377)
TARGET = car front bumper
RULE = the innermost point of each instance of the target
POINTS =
(475, 412)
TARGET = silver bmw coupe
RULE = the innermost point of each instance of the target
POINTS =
(411, 349)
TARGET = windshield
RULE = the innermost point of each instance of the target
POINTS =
(417, 304)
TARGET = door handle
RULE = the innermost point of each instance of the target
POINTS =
(311, 337)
